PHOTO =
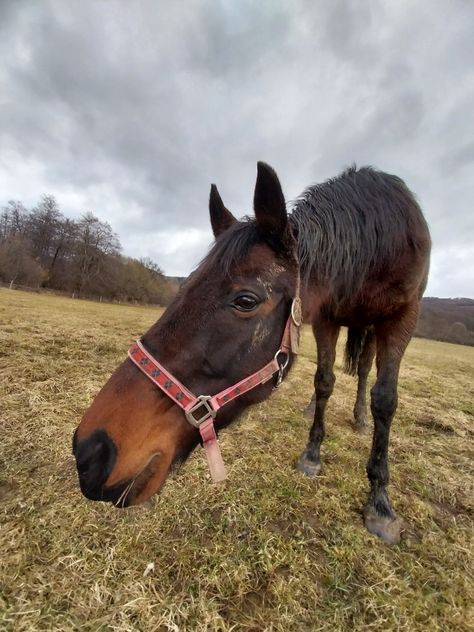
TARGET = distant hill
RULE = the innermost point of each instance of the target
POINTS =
(447, 319)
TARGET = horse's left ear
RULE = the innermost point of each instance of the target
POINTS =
(269, 202)
(221, 217)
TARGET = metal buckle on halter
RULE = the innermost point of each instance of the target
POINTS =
(296, 311)
(203, 401)
(282, 367)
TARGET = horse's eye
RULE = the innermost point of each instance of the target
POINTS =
(245, 302)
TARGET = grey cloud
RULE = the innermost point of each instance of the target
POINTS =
(462, 158)
(132, 110)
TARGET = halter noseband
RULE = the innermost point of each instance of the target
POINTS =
(201, 410)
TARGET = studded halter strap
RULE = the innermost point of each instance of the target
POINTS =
(201, 410)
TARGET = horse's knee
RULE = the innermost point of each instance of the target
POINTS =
(324, 383)
(383, 402)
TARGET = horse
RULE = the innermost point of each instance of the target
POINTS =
(353, 251)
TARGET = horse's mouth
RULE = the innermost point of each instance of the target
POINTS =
(143, 486)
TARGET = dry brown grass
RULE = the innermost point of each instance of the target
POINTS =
(270, 550)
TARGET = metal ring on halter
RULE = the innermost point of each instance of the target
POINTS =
(282, 367)
(209, 411)
(285, 363)
(296, 314)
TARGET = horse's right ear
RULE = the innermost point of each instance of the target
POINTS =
(221, 218)
(269, 203)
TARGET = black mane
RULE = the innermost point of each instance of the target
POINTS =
(354, 225)
(346, 229)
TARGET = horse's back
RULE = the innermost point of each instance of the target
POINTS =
(363, 238)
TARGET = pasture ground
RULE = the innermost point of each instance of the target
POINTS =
(269, 550)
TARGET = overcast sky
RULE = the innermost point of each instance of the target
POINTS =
(130, 109)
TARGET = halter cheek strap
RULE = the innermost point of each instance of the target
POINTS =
(201, 410)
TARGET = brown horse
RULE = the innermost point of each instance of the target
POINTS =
(361, 246)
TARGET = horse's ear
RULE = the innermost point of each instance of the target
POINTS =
(221, 218)
(269, 202)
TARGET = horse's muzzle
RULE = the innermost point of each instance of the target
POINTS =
(95, 459)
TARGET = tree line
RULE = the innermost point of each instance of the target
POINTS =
(41, 248)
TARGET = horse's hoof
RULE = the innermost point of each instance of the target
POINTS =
(308, 468)
(387, 528)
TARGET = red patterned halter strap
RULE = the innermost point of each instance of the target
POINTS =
(200, 411)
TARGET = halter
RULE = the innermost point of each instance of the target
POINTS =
(201, 410)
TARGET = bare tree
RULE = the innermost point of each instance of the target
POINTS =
(13, 219)
(43, 227)
(95, 241)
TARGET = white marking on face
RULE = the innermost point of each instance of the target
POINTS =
(269, 277)
(267, 286)
(259, 335)
(274, 270)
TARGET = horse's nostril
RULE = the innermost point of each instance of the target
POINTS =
(95, 458)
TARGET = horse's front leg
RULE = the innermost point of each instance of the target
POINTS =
(392, 339)
(326, 334)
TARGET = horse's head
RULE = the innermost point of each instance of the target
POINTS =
(225, 324)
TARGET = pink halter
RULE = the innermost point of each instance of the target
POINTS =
(201, 410)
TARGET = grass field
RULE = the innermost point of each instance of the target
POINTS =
(269, 550)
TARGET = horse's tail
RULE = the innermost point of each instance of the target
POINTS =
(354, 346)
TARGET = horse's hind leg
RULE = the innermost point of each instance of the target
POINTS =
(326, 334)
(392, 340)
(363, 369)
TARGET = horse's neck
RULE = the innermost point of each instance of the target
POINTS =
(314, 297)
